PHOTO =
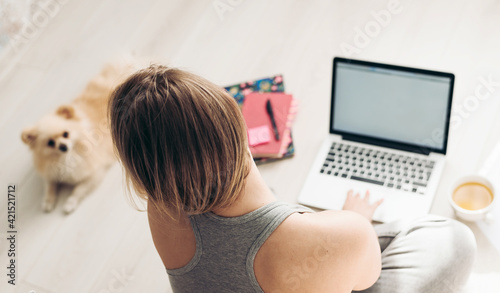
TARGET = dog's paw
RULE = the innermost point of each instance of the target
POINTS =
(48, 205)
(70, 205)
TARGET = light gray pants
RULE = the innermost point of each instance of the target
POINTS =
(430, 254)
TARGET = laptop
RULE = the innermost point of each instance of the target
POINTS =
(388, 134)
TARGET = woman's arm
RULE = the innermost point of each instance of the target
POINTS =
(356, 262)
(330, 251)
(362, 241)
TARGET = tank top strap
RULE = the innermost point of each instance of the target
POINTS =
(226, 248)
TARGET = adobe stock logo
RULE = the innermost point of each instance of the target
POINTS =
(463, 110)
(223, 6)
(118, 282)
(483, 91)
(32, 26)
(363, 35)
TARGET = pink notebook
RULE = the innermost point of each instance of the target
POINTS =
(257, 118)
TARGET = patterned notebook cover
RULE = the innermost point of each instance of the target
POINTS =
(269, 84)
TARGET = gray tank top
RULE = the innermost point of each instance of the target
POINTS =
(226, 249)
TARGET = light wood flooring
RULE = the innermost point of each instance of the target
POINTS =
(105, 246)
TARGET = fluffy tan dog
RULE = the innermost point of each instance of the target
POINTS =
(72, 145)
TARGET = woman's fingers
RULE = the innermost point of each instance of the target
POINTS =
(367, 196)
(356, 196)
(361, 204)
(378, 203)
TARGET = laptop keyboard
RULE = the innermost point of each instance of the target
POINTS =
(378, 167)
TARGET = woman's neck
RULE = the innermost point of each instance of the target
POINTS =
(254, 195)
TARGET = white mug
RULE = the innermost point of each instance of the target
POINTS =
(473, 215)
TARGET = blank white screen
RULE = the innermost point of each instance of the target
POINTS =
(390, 104)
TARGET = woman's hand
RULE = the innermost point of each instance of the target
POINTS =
(360, 205)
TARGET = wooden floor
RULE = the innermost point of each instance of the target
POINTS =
(105, 245)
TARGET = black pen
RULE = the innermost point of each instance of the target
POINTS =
(269, 110)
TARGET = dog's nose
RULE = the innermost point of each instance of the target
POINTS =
(63, 147)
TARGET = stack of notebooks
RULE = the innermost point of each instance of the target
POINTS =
(261, 102)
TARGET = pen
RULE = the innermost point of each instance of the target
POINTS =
(269, 110)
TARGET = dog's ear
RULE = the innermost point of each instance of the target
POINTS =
(29, 135)
(66, 111)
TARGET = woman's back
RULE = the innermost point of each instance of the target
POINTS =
(226, 249)
(265, 245)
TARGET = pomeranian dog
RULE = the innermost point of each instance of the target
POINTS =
(72, 146)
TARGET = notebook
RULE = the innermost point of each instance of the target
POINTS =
(265, 85)
(268, 84)
(258, 120)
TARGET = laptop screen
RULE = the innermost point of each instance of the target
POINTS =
(399, 107)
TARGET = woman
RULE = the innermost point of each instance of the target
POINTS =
(218, 228)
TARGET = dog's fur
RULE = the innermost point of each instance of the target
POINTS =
(72, 145)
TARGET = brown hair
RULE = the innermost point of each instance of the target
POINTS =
(181, 140)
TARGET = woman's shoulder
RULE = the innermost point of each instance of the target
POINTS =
(173, 238)
(314, 251)
(327, 229)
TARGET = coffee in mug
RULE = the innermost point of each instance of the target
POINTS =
(472, 198)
